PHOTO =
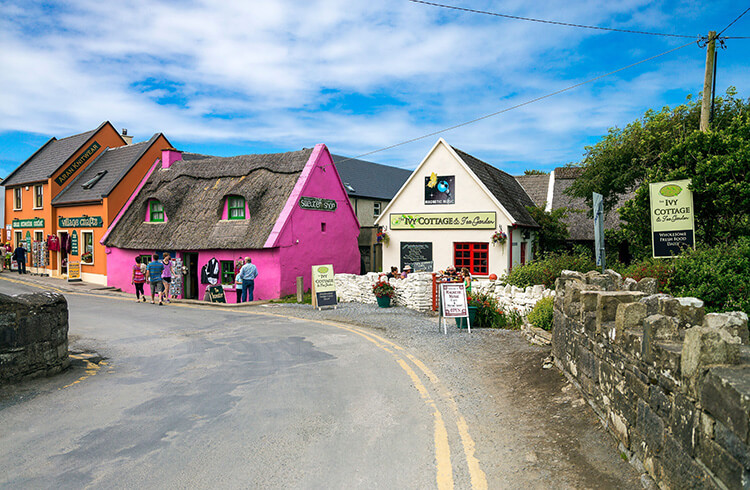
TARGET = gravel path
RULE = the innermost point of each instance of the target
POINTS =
(530, 425)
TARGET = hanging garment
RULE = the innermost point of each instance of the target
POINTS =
(204, 275)
(53, 243)
(212, 271)
(64, 240)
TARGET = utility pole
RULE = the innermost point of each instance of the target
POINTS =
(708, 81)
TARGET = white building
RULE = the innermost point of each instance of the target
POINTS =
(447, 212)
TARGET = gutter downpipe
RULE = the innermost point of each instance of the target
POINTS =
(510, 247)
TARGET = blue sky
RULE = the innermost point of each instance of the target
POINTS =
(228, 78)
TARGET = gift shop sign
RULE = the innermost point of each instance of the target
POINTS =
(82, 222)
(672, 221)
(77, 163)
(28, 223)
(317, 204)
(444, 221)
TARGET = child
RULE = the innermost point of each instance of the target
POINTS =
(238, 285)
(138, 280)
(467, 279)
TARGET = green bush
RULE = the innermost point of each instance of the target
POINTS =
(548, 268)
(491, 315)
(659, 269)
(719, 275)
(541, 315)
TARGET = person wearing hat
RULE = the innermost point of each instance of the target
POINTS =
(406, 271)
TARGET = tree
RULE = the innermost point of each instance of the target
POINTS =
(553, 233)
(534, 172)
(667, 146)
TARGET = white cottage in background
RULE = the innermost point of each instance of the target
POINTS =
(448, 211)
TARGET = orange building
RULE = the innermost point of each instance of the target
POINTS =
(71, 189)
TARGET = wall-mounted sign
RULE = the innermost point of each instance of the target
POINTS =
(317, 204)
(418, 255)
(77, 163)
(672, 222)
(74, 243)
(28, 223)
(444, 221)
(74, 271)
(82, 222)
(440, 189)
(323, 286)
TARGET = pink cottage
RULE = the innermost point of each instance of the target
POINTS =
(286, 211)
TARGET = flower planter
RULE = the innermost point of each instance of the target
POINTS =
(461, 322)
(384, 301)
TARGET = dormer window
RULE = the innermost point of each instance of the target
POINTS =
(236, 207)
(156, 211)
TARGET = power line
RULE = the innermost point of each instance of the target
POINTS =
(507, 109)
(550, 21)
(735, 20)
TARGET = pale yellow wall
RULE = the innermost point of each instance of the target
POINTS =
(364, 208)
(469, 198)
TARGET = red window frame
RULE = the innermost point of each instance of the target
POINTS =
(475, 256)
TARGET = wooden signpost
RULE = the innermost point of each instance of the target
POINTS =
(323, 286)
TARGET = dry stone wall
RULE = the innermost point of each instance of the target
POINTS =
(669, 381)
(415, 291)
(33, 335)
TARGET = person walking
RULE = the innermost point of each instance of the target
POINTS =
(248, 273)
(138, 280)
(155, 269)
(166, 276)
(19, 255)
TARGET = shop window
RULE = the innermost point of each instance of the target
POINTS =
(473, 256)
(145, 259)
(38, 197)
(17, 198)
(227, 272)
(376, 210)
(236, 206)
(87, 255)
(156, 211)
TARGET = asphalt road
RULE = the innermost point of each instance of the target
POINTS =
(185, 396)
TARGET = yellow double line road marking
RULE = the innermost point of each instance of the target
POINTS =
(444, 468)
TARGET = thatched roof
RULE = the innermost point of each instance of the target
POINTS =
(580, 222)
(504, 187)
(46, 160)
(193, 192)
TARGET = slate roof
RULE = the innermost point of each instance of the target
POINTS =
(504, 187)
(536, 186)
(193, 192)
(114, 163)
(580, 222)
(368, 179)
(46, 160)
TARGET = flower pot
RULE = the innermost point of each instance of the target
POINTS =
(384, 301)
(461, 322)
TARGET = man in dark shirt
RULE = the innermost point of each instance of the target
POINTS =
(19, 255)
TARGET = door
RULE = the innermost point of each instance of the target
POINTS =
(64, 238)
(191, 278)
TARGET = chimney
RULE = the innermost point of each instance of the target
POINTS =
(170, 156)
(128, 139)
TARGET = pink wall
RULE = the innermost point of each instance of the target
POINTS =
(120, 269)
(300, 240)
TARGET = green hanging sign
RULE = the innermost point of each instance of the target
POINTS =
(74, 243)
(28, 241)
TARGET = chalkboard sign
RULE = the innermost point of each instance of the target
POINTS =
(418, 255)
(216, 294)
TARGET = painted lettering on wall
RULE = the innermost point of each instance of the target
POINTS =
(81, 222)
(443, 221)
(28, 223)
(77, 163)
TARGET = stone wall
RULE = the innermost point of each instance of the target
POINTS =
(669, 381)
(33, 335)
(415, 291)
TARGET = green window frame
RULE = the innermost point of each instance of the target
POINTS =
(236, 207)
(227, 272)
(156, 211)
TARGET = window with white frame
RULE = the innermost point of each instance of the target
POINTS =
(375, 209)
(17, 198)
(87, 257)
(38, 197)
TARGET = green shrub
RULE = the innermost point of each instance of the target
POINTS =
(719, 275)
(659, 269)
(491, 315)
(547, 269)
(541, 315)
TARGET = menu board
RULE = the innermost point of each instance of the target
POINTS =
(418, 255)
